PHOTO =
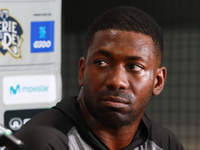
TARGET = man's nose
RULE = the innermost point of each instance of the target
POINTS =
(117, 78)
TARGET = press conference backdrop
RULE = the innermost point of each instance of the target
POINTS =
(30, 59)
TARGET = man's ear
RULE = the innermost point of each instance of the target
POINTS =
(161, 74)
(81, 69)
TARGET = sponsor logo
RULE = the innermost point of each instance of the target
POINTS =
(10, 35)
(15, 119)
(29, 89)
(15, 124)
(14, 90)
(42, 36)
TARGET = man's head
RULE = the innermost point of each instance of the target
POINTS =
(122, 68)
(128, 19)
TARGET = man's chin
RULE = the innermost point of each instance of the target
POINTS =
(115, 120)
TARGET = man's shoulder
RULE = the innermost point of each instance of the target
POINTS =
(54, 118)
(159, 131)
(163, 137)
(47, 129)
(43, 138)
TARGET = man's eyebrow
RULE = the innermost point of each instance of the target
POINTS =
(109, 54)
(104, 52)
(134, 58)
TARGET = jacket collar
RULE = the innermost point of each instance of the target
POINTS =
(70, 108)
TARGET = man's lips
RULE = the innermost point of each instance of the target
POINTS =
(115, 101)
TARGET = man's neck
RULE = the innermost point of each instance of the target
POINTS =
(114, 138)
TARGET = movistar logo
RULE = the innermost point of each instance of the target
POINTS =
(14, 90)
(27, 89)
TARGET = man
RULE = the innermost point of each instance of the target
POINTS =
(119, 73)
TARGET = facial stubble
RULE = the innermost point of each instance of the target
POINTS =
(111, 116)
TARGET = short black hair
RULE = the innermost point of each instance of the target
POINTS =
(128, 18)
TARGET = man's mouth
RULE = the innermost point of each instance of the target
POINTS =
(115, 101)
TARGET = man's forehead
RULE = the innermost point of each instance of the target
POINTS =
(122, 39)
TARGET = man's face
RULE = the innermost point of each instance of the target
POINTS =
(118, 76)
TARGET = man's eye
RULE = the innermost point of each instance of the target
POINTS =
(101, 63)
(134, 67)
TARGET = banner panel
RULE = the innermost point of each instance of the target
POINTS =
(30, 58)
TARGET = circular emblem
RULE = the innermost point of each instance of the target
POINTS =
(15, 124)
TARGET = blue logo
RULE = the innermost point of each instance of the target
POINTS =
(42, 32)
(10, 35)
(14, 90)
(42, 36)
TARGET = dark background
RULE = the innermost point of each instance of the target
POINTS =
(178, 106)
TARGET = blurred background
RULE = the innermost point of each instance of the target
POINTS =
(178, 106)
